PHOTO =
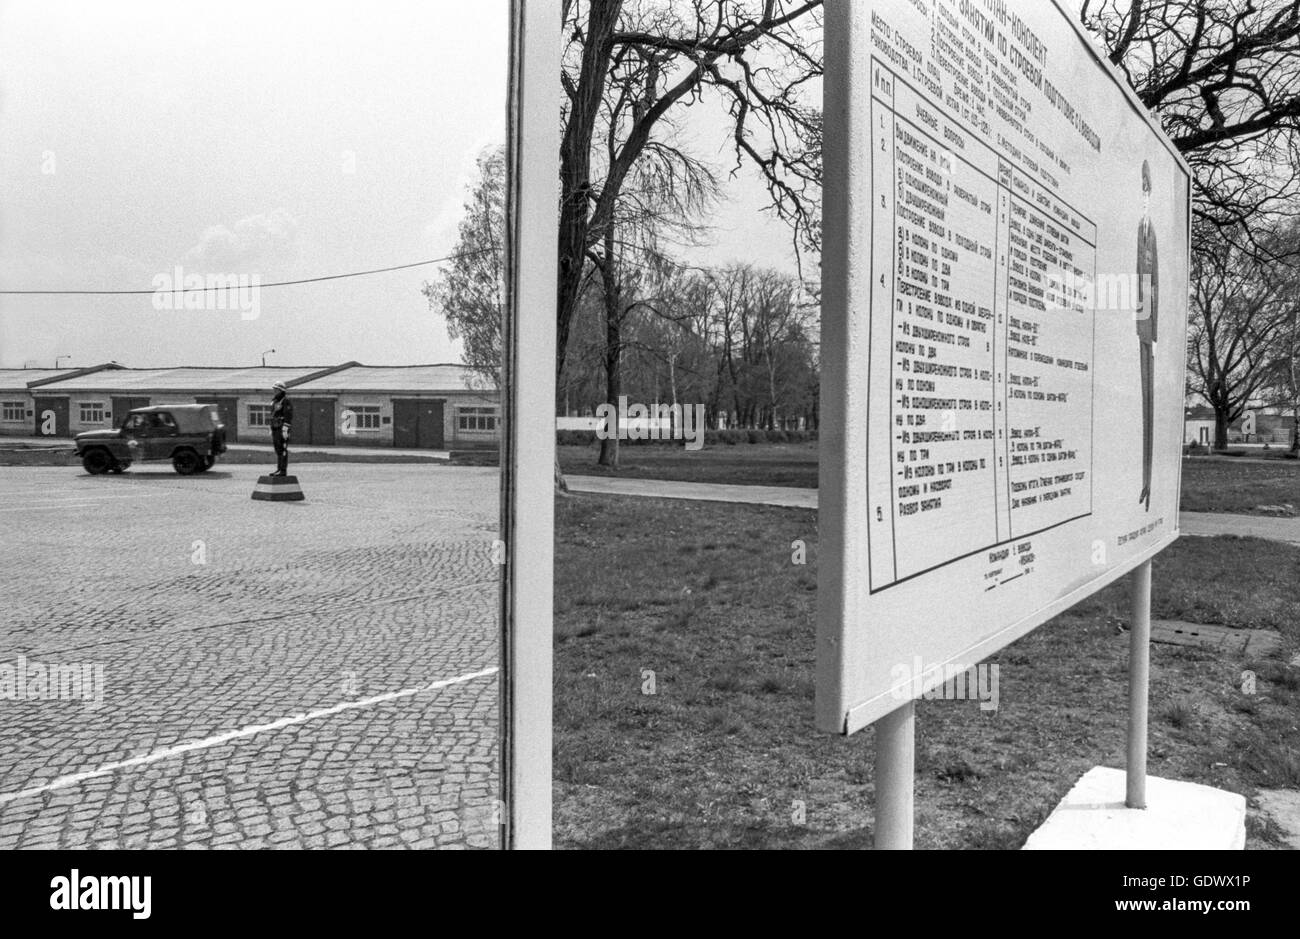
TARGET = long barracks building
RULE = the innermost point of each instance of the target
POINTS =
(417, 406)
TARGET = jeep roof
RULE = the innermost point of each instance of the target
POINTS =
(190, 418)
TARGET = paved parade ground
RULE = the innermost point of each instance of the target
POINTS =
(234, 673)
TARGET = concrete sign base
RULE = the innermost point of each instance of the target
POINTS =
(1179, 816)
(278, 489)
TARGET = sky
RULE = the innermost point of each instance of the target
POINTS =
(270, 139)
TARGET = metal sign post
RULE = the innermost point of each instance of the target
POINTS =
(1139, 668)
(895, 778)
(528, 444)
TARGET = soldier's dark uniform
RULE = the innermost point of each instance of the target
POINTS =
(1148, 315)
(281, 419)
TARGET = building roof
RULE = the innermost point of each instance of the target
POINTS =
(16, 379)
(400, 379)
(183, 380)
(347, 377)
(19, 379)
(1199, 413)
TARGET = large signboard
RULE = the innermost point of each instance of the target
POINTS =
(1003, 338)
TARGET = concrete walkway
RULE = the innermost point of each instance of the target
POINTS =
(1252, 526)
(705, 492)
(1198, 524)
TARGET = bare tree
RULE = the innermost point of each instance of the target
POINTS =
(1223, 78)
(659, 204)
(1282, 379)
(755, 56)
(1240, 306)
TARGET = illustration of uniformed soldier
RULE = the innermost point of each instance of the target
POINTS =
(281, 418)
(1148, 294)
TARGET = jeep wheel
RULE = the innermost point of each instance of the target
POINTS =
(186, 462)
(96, 462)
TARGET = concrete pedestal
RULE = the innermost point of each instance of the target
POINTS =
(278, 489)
(1179, 816)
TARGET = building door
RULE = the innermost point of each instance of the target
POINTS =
(417, 423)
(229, 410)
(122, 406)
(320, 421)
(52, 417)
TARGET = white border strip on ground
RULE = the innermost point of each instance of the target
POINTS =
(63, 782)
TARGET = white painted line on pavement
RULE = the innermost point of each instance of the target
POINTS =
(52, 493)
(78, 504)
(70, 498)
(108, 769)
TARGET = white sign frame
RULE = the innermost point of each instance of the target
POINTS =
(528, 441)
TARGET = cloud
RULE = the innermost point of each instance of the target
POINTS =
(257, 244)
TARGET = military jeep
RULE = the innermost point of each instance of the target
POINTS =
(190, 435)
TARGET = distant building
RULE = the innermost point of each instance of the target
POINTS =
(414, 406)
(419, 406)
(1271, 427)
(1198, 426)
(19, 416)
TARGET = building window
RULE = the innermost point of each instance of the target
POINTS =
(92, 412)
(364, 416)
(476, 419)
(259, 415)
(13, 412)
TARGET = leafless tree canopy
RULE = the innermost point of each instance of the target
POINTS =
(1223, 77)
(632, 66)
(736, 339)
(1242, 324)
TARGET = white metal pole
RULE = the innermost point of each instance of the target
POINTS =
(895, 778)
(1139, 669)
(528, 444)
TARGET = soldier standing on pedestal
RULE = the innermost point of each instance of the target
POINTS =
(281, 418)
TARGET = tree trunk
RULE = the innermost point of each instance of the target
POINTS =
(613, 388)
(613, 350)
(1220, 429)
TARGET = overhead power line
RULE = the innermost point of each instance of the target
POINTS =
(278, 283)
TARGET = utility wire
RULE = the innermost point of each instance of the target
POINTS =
(280, 283)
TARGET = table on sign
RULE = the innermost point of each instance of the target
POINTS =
(981, 340)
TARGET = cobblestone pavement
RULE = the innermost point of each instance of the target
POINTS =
(313, 674)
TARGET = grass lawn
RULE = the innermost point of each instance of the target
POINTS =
(744, 464)
(1223, 484)
(724, 753)
(1219, 484)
